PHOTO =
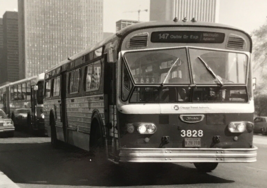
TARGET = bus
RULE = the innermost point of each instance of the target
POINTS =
(25, 95)
(157, 92)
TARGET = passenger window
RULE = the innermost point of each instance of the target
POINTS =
(93, 75)
(15, 92)
(74, 81)
(48, 88)
(19, 92)
(56, 86)
(12, 92)
(23, 91)
(28, 93)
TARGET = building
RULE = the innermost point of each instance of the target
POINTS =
(52, 30)
(201, 10)
(124, 23)
(10, 52)
(1, 51)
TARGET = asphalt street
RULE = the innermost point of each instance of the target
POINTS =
(32, 162)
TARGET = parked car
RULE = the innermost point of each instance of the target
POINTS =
(6, 125)
(19, 118)
(260, 125)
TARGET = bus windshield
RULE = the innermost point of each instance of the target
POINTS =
(211, 67)
(157, 67)
(166, 76)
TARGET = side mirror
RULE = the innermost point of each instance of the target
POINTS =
(35, 88)
(254, 83)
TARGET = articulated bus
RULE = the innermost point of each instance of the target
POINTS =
(25, 96)
(157, 92)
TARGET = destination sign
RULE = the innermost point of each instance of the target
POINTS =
(187, 37)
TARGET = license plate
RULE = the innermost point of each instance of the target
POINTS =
(192, 142)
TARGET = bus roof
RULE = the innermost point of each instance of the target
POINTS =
(151, 24)
(143, 25)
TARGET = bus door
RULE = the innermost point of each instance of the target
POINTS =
(63, 111)
(110, 107)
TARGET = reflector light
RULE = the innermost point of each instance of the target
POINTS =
(130, 128)
(237, 126)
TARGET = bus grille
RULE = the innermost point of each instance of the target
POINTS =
(236, 43)
(138, 41)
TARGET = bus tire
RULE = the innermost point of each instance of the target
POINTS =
(205, 167)
(97, 143)
(54, 140)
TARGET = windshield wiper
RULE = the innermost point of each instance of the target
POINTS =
(211, 71)
(167, 75)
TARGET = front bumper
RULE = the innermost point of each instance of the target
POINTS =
(7, 128)
(195, 155)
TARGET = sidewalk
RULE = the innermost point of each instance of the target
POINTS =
(5, 182)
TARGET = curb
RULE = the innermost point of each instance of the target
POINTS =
(5, 182)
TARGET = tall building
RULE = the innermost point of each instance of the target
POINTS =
(1, 51)
(201, 10)
(124, 23)
(10, 56)
(52, 30)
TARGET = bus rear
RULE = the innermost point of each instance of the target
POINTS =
(184, 94)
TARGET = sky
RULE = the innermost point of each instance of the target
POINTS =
(244, 14)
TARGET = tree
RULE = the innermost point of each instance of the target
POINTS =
(261, 105)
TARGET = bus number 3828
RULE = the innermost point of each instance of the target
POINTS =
(191, 133)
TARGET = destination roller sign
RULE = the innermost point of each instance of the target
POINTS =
(187, 37)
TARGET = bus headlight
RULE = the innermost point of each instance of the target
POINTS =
(42, 116)
(146, 128)
(237, 126)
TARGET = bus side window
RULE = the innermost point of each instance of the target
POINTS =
(15, 92)
(74, 81)
(19, 92)
(88, 81)
(48, 88)
(12, 92)
(28, 90)
(56, 86)
(23, 91)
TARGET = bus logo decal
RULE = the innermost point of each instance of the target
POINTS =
(192, 118)
(176, 107)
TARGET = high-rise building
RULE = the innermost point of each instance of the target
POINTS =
(201, 10)
(124, 23)
(1, 51)
(52, 30)
(10, 56)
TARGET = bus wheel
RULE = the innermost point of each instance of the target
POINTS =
(205, 167)
(54, 140)
(97, 146)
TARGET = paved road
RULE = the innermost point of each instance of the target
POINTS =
(32, 162)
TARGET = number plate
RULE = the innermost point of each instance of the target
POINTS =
(192, 142)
